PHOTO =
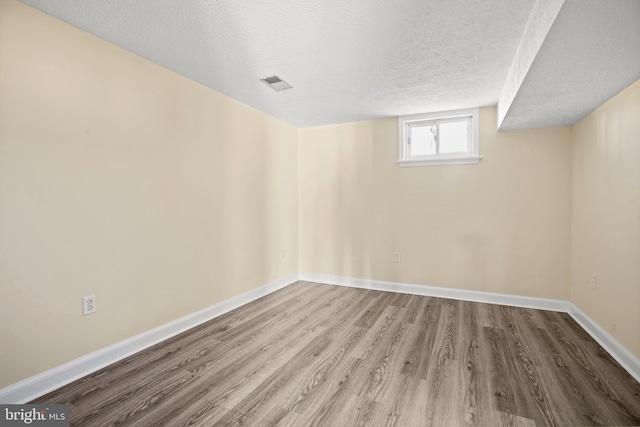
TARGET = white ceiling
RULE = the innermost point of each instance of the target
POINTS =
(591, 53)
(353, 60)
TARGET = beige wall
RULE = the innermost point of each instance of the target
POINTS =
(606, 216)
(121, 179)
(501, 225)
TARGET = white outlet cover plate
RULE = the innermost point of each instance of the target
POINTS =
(88, 305)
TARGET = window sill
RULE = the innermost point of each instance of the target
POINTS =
(440, 161)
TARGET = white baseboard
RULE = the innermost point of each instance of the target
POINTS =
(619, 352)
(38, 385)
(33, 387)
(434, 291)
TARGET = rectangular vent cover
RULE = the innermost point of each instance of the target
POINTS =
(276, 83)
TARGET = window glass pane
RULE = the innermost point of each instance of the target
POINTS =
(423, 140)
(453, 137)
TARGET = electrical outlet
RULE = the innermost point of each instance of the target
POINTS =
(592, 281)
(397, 257)
(88, 305)
(282, 254)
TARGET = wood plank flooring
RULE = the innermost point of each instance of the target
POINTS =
(320, 355)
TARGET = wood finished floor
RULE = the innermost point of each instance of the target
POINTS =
(320, 355)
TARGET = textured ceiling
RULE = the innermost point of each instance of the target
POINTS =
(346, 60)
(591, 53)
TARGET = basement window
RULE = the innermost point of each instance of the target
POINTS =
(445, 138)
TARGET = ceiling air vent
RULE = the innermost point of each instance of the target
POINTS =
(276, 83)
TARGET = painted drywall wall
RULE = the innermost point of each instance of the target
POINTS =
(605, 237)
(501, 225)
(123, 180)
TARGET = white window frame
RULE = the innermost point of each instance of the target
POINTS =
(471, 156)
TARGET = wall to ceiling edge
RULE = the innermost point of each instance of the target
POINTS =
(605, 221)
